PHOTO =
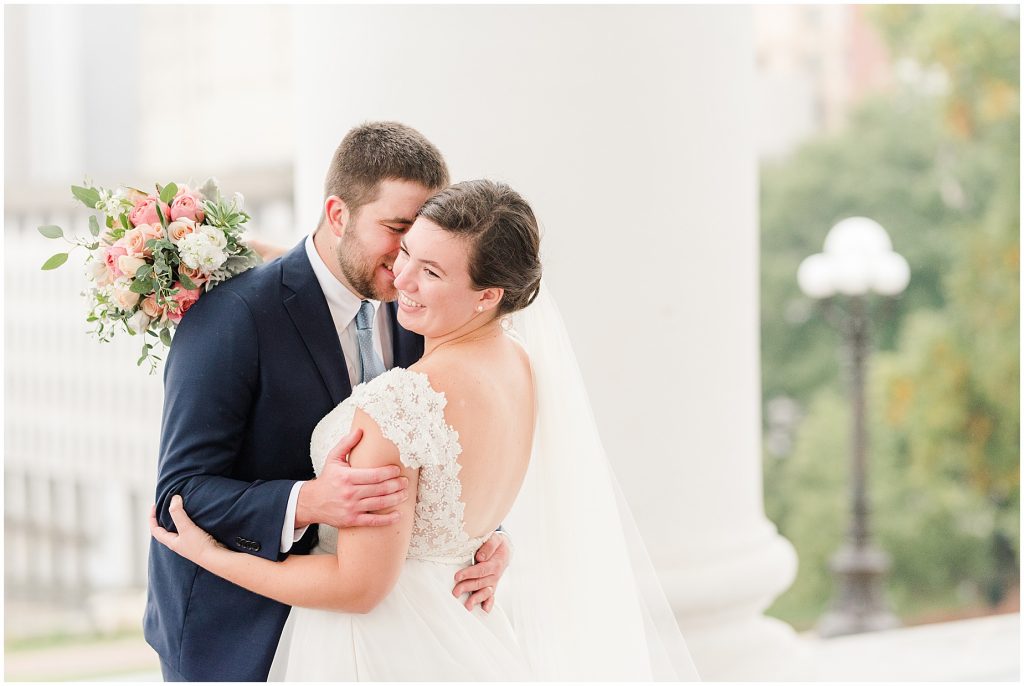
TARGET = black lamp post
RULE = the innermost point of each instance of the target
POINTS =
(857, 260)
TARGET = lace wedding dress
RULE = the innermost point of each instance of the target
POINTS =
(419, 632)
(581, 599)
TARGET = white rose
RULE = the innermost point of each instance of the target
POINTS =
(217, 236)
(139, 322)
(198, 251)
(125, 298)
(129, 265)
(97, 271)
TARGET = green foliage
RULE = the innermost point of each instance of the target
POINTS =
(187, 282)
(168, 192)
(811, 510)
(941, 173)
(225, 215)
(160, 215)
(88, 196)
(51, 231)
(55, 261)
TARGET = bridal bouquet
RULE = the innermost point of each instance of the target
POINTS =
(155, 256)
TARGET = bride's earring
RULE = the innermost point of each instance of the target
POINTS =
(479, 308)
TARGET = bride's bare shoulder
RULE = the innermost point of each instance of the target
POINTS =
(468, 375)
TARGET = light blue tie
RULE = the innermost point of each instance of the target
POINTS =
(370, 362)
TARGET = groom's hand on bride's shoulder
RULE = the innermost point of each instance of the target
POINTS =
(481, 580)
(345, 496)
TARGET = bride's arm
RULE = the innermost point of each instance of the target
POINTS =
(364, 571)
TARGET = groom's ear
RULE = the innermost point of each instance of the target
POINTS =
(337, 214)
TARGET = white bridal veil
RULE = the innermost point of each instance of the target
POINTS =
(581, 591)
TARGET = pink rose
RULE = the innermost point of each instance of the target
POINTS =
(154, 230)
(179, 229)
(197, 276)
(186, 206)
(144, 211)
(134, 241)
(181, 302)
(151, 308)
(129, 265)
(149, 232)
(110, 256)
(124, 297)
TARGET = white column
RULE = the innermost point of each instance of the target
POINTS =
(631, 131)
(56, 131)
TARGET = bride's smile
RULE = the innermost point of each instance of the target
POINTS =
(437, 297)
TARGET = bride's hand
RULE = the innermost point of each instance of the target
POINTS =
(190, 542)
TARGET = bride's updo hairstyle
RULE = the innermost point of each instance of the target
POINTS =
(503, 234)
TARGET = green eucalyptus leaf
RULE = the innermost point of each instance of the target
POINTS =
(165, 337)
(55, 261)
(88, 196)
(187, 282)
(160, 215)
(141, 286)
(94, 226)
(168, 193)
(51, 231)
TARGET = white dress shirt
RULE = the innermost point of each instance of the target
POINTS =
(344, 305)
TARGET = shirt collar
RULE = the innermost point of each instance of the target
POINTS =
(343, 302)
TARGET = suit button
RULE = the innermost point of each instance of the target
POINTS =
(247, 544)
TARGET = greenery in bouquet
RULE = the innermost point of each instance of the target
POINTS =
(154, 256)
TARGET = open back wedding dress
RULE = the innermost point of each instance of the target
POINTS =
(579, 601)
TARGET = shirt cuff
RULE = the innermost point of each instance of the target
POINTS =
(288, 533)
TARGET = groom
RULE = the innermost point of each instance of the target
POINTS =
(254, 366)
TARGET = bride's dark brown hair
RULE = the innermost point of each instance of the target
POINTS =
(504, 236)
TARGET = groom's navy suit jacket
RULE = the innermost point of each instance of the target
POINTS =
(254, 365)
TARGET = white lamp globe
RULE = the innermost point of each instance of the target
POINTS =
(857, 236)
(852, 274)
(815, 276)
(890, 274)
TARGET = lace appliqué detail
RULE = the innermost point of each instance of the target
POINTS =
(411, 415)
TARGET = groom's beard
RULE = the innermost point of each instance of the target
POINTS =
(361, 272)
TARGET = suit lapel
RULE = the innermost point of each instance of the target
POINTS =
(307, 307)
(406, 346)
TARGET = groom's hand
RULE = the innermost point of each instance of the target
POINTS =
(344, 496)
(481, 580)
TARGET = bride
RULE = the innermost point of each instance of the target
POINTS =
(491, 426)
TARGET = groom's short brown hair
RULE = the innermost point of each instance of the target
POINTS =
(375, 151)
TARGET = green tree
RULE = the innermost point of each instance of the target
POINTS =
(941, 173)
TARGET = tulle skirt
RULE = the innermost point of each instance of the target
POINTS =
(419, 632)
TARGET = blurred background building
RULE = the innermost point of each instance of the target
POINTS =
(697, 159)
